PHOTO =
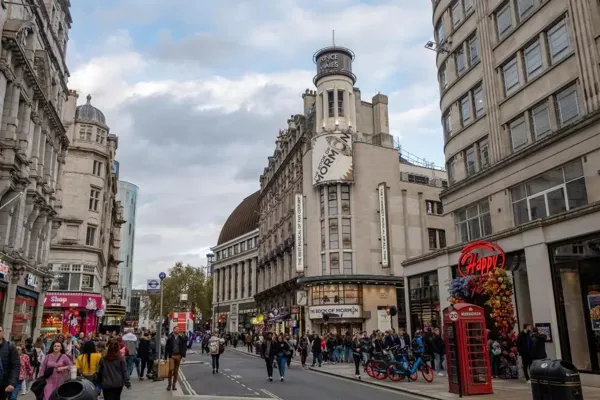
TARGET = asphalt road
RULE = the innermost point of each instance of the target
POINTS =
(243, 376)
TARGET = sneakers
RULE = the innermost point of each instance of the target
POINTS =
(214, 371)
(270, 379)
(358, 377)
(281, 379)
(168, 387)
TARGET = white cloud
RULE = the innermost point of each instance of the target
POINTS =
(194, 137)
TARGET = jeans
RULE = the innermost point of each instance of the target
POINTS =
(356, 358)
(215, 361)
(269, 363)
(131, 361)
(144, 362)
(112, 394)
(317, 357)
(281, 364)
(438, 360)
(495, 361)
(526, 361)
(15, 393)
(303, 356)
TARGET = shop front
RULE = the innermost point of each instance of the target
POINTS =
(72, 313)
(3, 290)
(26, 301)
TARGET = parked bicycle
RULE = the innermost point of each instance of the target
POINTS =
(409, 367)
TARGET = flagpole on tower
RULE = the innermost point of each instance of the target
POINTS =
(333, 37)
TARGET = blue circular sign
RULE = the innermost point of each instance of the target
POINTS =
(153, 284)
(162, 275)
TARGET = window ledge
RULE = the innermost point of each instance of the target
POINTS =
(458, 79)
(461, 130)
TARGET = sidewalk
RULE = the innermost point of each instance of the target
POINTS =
(438, 389)
(147, 390)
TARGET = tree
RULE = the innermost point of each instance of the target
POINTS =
(183, 279)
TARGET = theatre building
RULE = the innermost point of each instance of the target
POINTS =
(340, 209)
(524, 174)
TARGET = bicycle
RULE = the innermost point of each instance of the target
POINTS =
(377, 368)
(397, 371)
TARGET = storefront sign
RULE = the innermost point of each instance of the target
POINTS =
(383, 224)
(3, 270)
(77, 300)
(31, 281)
(299, 232)
(480, 258)
(341, 311)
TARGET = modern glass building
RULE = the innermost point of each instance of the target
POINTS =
(127, 194)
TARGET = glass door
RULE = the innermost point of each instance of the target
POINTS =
(477, 367)
(451, 361)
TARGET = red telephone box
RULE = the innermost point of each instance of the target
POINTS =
(465, 336)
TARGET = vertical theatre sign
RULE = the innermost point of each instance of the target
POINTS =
(383, 224)
(481, 257)
(299, 214)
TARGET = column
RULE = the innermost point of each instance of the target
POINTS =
(255, 275)
(35, 149)
(41, 154)
(16, 274)
(347, 106)
(239, 272)
(24, 129)
(13, 116)
(423, 225)
(39, 311)
(226, 282)
(249, 286)
(325, 108)
(352, 109)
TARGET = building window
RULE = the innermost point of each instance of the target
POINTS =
(451, 164)
(540, 120)
(552, 193)
(468, 6)
(558, 42)
(336, 293)
(437, 238)
(470, 160)
(511, 76)
(457, 14)
(434, 207)
(439, 32)
(518, 133)
(87, 282)
(332, 203)
(330, 102)
(346, 233)
(478, 101)
(424, 301)
(443, 77)
(345, 192)
(85, 132)
(525, 7)
(334, 263)
(534, 64)
(474, 50)
(334, 237)
(504, 20)
(322, 197)
(484, 154)
(90, 237)
(473, 222)
(322, 234)
(100, 134)
(347, 263)
(461, 64)
(447, 123)
(421, 179)
(323, 264)
(340, 103)
(97, 168)
(567, 105)
(465, 110)
(94, 199)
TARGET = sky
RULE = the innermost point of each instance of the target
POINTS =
(197, 91)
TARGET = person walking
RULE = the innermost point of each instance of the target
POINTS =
(11, 365)
(438, 349)
(356, 347)
(25, 373)
(538, 345)
(131, 342)
(175, 350)
(268, 354)
(216, 346)
(249, 342)
(282, 352)
(87, 363)
(145, 355)
(112, 372)
(317, 350)
(524, 349)
(303, 345)
(58, 363)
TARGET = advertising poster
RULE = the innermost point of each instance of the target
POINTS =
(594, 307)
(332, 159)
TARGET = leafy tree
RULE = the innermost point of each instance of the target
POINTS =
(183, 279)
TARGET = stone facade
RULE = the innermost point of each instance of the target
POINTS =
(345, 266)
(33, 142)
(85, 251)
(521, 119)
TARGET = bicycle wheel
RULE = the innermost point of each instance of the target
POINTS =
(379, 370)
(427, 373)
(369, 368)
(395, 371)
(414, 376)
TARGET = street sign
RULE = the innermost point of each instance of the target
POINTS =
(153, 286)
(162, 276)
(453, 316)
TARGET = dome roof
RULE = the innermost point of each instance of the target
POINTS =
(242, 220)
(89, 113)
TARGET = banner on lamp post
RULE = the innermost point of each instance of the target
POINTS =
(299, 215)
(383, 224)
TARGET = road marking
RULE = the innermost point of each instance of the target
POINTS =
(271, 395)
(183, 380)
(237, 376)
(227, 370)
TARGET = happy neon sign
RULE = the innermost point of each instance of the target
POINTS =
(480, 258)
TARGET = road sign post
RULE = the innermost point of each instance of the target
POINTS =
(162, 276)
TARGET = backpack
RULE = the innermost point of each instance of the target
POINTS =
(414, 345)
(496, 350)
(214, 347)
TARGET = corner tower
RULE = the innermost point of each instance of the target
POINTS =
(335, 106)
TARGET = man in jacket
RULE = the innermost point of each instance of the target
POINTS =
(268, 354)
(524, 349)
(175, 350)
(131, 342)
(11, 365)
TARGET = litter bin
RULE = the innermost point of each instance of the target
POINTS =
(555, 380)
(78, 389)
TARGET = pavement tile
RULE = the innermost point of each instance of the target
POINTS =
(438, 389)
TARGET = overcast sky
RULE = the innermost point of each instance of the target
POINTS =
(197, 90)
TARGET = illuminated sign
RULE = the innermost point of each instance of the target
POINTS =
(480, 258)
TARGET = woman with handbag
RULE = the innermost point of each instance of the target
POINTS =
(112, 373)
(87, 362)
(282, 352)
(55, 369)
